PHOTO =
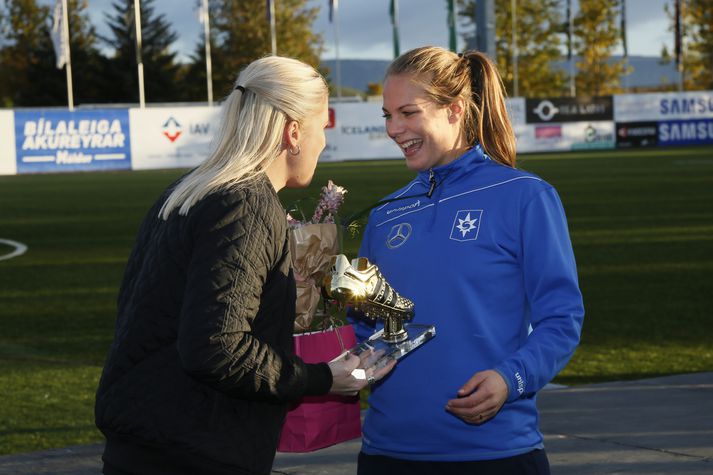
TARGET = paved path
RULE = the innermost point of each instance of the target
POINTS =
(652, 426)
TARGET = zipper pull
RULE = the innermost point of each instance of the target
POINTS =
(431, 182)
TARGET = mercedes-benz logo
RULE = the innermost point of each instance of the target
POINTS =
(398, 235)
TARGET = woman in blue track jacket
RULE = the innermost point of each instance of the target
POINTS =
(484, 252)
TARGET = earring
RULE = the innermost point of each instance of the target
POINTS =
(295, 153)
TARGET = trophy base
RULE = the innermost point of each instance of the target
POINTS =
(417, 336)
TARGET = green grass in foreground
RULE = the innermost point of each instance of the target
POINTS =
(641, 225)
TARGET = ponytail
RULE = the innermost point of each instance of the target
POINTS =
(489, 125)
(471, 76)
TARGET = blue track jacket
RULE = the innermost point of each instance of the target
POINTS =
(486, 259)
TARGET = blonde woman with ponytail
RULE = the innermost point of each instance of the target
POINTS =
(483, 250)
(201, 370)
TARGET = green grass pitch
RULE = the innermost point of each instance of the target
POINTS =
(641, 223)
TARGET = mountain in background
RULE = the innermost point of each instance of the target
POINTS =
(648, 72)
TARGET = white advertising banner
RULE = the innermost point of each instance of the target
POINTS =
(8, 165)
(663, 106)
(516, 110)
(565, 136)
(358, 132)
(171, 137)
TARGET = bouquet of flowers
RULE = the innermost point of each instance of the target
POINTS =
(312, 243)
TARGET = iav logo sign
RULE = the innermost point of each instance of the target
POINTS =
(172, 129)
(466, 225)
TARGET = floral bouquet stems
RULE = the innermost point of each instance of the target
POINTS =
(312, 243)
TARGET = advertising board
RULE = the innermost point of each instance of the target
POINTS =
(568, 109)
(80, 140)
(7, 143)
(663, 106)
(565, 136)
(172, 137)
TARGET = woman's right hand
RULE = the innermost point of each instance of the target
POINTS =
(351, 373)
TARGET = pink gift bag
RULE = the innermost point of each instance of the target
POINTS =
(320, 421)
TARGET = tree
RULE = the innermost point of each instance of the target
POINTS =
(193, 74)
(21, 25)
(538, 30)
(596, 34)
(697, 15)
(30, 76)
(160, 69)
(242, 34)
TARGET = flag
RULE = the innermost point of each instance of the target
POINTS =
(394, 12)
(452, 40)
(60, 42)
(333, 6)
(623, 28)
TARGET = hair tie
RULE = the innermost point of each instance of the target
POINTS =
(240, 88)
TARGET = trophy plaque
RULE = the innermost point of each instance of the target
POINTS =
(361, 285)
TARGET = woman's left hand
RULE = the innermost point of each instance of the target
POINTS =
(480, 398)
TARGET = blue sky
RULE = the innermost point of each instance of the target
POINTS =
(365, 27)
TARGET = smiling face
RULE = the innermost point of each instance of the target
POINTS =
(429, 134)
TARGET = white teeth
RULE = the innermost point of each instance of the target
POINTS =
(408, 143)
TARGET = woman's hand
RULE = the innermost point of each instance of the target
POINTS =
(480, 398)
(351, 373)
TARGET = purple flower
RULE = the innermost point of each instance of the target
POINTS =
(331, 198)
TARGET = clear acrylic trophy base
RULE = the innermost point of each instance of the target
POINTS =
(417, 336)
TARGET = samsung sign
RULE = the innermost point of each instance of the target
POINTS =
(686, 132)
(663, 106)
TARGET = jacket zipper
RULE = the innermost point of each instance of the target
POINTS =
(431, 182)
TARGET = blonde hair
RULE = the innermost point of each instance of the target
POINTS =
(471, 76)
(268, 93)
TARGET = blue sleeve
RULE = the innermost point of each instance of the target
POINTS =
(553, 295)
(363, 327)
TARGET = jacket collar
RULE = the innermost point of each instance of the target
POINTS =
(458, 167)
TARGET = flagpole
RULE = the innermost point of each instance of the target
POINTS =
(452, 35)
(624, 45)
(335, 7)
(678, 45)
(516, 88)
(273, 32)
(570, 37)
(395, 25)
(208, 62)
(65, 32)
(139, 61)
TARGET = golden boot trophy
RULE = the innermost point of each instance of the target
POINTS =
(361, 285)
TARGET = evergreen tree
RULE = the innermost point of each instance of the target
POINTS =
(538, 30)
(596, 34)
(21, 28)
(27, 58)
(242, 34)
(160, 69)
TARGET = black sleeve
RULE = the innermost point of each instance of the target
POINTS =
(233, 254)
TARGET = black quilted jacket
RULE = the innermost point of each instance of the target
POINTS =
(201, 369)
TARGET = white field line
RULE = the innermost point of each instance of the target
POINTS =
(20, 249)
